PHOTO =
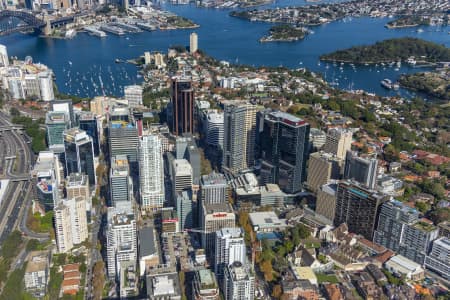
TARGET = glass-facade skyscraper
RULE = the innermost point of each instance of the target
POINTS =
(89, 123)
(284, 150)
(79, 153)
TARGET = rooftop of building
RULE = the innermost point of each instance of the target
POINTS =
(395, 204)
(206, 279)
(168, 214)
(361, 190)
(230, 232)
(56, 117)
(304, 273)
(119, 165)
(403, 264)
(286, 118)
(289, 285)
(86, 116)
(75, 134)
(325, 156)
(37, 261)
(218, 208)
(443, 242)
(163, 285)
(76, 179)
(240, 271)
(122, 219)
(182, 167)
(147, 241)
(266, 219)
(317, 132)
(424, 225)
(330, 188)
(215, 117)
(213, 179)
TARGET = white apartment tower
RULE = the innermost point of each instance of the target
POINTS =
(121, 241)
(70, 223)
(46, 84)
(133, 94)
(230, 247)
(193, 42)
(239, 282)
(338, 142)
(4, 61)
(151, 173)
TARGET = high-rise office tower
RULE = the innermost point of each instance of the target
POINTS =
(401, 230)
(77, 185)
(326, 201)
(215, 217)
(213, 188)
(46, 84)
(193, 42)
(182, 176)
(123, 140)
(363, 170)
(56, 122)
(70, 223)
(121, 187)
(239, 136)
(133, 94)
(284, 150)
(322, 167)
(4, 60)
(184, 209)
(338, 142)
(88, 122)
(79, 153)
(182, 105)
(121, 241)
(230, 247)
(239, 281)
(65, 106)
(357, 206)
(151, 173)
(214, 128)
(187, 148)
(438, 260)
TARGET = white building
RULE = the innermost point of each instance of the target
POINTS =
(439, 259)
(215, 217)
(46, 85)
(239, 282)
(193, 42)
(151, 173)
(4, 61)
(230, 247)
(121, 241)
(338, 142)
(71, 223)
(182, 176)
(214, 128)
(133, 94)
(402, 266)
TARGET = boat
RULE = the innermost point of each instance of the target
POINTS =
(395, 86)
(420, 30)
(386, 83)
(411, 61)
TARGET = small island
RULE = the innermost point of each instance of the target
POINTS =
(392, 50)
(433, 84)
(178, 22)
(285, 33)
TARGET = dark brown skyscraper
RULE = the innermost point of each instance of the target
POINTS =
(182, 97)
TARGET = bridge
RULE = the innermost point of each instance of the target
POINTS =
(28, 22)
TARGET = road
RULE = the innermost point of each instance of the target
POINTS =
(16, 157)
(93, 256)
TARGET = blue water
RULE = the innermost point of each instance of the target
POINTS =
(78, 63)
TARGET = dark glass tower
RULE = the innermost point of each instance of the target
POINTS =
(182, 102)
(284, 150)
(88, 122)
(79, 153)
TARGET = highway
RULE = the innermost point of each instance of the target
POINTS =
(16, 160)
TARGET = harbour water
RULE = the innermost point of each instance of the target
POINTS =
(79, 63)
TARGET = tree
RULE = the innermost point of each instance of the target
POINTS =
(440, 215)
(277, 291)
(266, 268)
(14, 112)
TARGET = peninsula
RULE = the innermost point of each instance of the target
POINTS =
(433, 84)
(401, 49)
(285, 33)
